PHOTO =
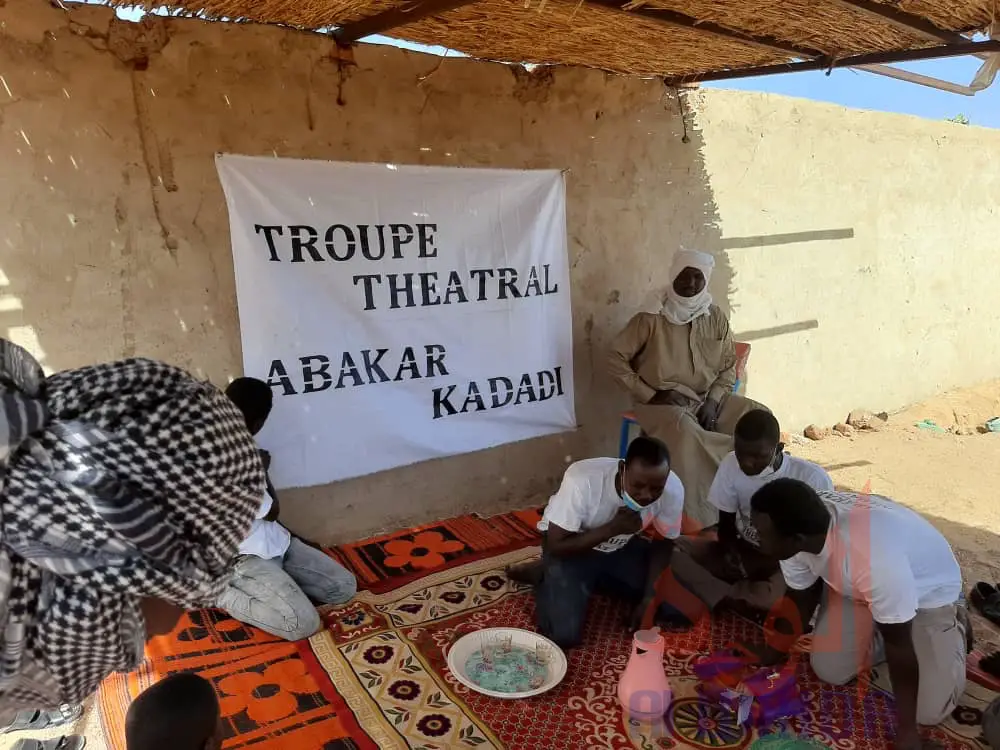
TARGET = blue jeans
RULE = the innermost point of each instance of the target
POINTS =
(568, 583)
(273, 595)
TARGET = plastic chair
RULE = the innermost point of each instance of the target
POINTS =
(628, 418)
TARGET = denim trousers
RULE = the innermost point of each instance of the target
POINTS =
(567, 584)
(274, 595)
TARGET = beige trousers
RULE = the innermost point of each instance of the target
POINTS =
(846, 642)
(695, 453)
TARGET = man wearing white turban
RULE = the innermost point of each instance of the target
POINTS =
(679, 365)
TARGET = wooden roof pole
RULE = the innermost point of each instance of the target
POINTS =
(399, 16)
(966, 47)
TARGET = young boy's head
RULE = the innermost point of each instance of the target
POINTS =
(254, 398)
(180, 712)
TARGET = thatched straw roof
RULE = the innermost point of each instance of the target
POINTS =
(671, 38)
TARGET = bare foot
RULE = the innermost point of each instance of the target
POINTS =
(527, 573)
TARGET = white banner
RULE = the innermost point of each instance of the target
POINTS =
(399, 313)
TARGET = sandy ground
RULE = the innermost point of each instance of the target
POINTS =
(953, 479)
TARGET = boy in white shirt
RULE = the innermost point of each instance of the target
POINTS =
(592, 541)
(277, 573)
(733, 568)
(886, 583)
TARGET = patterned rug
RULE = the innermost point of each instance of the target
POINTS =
(386, 655)
(385, 562)
(269, 697)
(272, 693)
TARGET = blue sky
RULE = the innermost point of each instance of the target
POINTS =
(859, 89)
(850, 88)
(854, 88)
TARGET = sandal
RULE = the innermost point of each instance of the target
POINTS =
(986, 599)
(32, 719)
(74, 742)
(984, 669)
(981, 593)
(991, 664)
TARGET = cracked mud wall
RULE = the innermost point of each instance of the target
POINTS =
(114, 237)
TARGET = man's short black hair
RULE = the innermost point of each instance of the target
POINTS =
(793, 507)
(648, 451)
(253, 397)
(180, 712)
(758, 424)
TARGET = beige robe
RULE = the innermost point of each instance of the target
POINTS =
(698, 360)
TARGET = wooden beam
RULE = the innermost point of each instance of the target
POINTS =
(878, 58)
(921, 80)
(398, 16)
(903, 21)
(672, 18)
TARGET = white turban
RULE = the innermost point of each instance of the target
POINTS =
(682, 310)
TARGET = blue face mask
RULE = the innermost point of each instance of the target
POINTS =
(627, 500)
(630, 503)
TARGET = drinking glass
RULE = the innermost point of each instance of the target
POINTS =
(543, 653)
(487, 649)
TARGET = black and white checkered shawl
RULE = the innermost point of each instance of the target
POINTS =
(117, 482)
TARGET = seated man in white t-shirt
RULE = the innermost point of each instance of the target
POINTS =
(886, 583)
(591, 526)
(278, 573)
(733, 568)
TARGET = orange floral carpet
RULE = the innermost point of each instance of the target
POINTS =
(376, 677)
(387, 655)
(386, 562)
(273, 694)
(268, 695)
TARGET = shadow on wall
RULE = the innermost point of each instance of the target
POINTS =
(92, 270)
(647, 201)
(723, 284)
(122, 244)
(773, 240)
(789, 238)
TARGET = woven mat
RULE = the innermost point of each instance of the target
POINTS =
(386, 655)
(269, 697)
(385, 562)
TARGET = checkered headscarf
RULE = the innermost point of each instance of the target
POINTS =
(117, 482)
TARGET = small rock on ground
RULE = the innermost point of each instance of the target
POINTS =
(815, 432)
(863, 419)
(792, 438)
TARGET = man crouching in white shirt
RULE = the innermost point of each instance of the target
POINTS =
(590, 528)
(733, 569)
(887, 585)
(277, 573)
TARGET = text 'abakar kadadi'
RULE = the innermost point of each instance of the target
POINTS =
(340, 243)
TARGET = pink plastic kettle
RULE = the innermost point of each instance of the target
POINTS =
(644, 690)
